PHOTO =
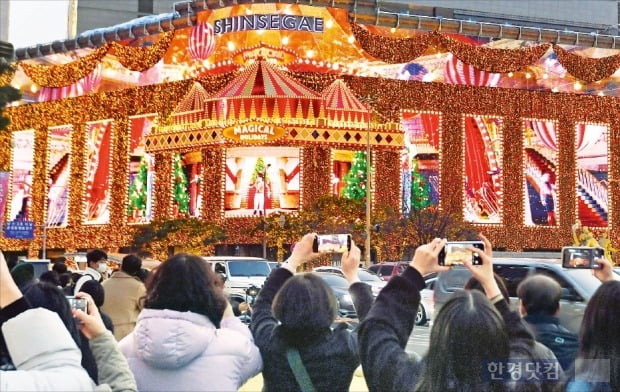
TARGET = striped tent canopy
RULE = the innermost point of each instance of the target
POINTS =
(264, 92)
(191, 107)
(342, 105)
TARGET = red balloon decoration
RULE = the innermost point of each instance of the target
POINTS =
(201, 41)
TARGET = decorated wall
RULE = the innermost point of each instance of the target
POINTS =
(521, 141)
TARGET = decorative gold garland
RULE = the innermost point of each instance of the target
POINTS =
(65, 74)
(402, 50)
(494, 60)
(142, 58)
(7, 76)
(587, 69)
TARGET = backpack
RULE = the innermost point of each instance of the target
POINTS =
(562, 342)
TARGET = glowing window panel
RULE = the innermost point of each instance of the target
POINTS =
(261, 180)
(141, 171)
(540, 168)
(483, 169)
(98, 171)
(420, 160)
(58, 175)
(592, 165)
(187, 173)
(21, 180)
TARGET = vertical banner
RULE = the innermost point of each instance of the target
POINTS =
(58, 175)
(4, 193)
(21, 181)
(98, 172)
(540, 166)
(591, 144)
(141, 171)
(483, 169)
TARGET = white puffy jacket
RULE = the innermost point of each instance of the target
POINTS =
(183, 351)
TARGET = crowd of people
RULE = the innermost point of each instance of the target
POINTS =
(176, 330)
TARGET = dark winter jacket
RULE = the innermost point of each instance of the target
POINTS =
(330, 356)
(548, 331)
(384, 334)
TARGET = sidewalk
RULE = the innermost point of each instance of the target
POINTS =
(358, 384)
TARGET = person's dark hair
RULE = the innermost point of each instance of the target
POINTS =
(48, 296)
(96, 290)
(96, 255)
(131, 264)
(600, 337)
(59, 268)
(540, 294)
(50, 277)
(64, 279)
(467, 331)
(473, 284)
(143, 274)
(185, 283)
(305, 303)
(75, 276)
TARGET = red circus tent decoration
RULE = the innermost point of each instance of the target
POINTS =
(342, 105)
(262, 92)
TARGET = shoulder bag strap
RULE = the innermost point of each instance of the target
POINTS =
(299, 370)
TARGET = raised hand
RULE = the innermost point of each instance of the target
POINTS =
(302, 252)
(91, 324)
(425, 257)
(350, 262)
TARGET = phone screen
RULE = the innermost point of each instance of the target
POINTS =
(78, 303)
(332, 243)
(580, 257)
(455, 253)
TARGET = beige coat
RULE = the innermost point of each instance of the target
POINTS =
(123, 302)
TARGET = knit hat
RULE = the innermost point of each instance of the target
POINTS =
(22, 274)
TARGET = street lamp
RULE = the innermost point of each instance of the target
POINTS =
(264, 172)
(367, 100)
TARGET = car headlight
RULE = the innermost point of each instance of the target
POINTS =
(347, 299)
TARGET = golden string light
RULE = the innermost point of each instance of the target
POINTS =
(391, 96)
(142, 58)
(587, 69)
(65, 74)
(396, 50)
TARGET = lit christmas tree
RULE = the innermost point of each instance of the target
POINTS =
(180, 195)
(356, 178)
(420, 189)
(138, 190)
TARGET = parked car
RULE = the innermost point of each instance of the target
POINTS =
(340, 287)
(239, 273)
(366, 276)
(578, 285)
(427, 302)
(274, 264)
(388, 269)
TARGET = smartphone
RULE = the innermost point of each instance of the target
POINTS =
(332, 243)
(455, 252)
(78, 303)
(581, 257)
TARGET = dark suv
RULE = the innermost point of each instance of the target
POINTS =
(388, 269)
(578, 285)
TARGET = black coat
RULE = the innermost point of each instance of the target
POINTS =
(384, 334)
(330, 356)
(548, 331)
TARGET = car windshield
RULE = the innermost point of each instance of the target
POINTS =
(335, 280)
(366, 276)
(248, 268)
(584, 279)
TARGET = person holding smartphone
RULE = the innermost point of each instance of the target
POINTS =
(293, 315)
(470, 328)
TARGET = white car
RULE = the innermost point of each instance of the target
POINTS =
(427, 302)
(368, 277)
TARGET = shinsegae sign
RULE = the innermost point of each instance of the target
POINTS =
(268, 22)
(253, 132)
